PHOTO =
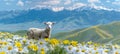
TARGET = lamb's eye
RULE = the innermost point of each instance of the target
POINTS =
(32, 37)
(39, 36)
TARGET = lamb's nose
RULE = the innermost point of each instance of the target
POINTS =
(46, 36)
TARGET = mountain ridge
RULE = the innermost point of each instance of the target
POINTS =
(65, 20)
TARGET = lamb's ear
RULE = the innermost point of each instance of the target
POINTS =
(45, 23)
(54, 23)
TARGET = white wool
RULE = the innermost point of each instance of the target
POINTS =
(37, 33)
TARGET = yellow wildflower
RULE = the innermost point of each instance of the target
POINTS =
(41, 43)
(42, 49)
(46, 39)
(35, 48)
(116, 46)
(10, 48)
(5, 43)
(42, 52)
(95, 44)
(89, 43)
(95, 48)
(20, 49)
(96, 52)
(66, 42)
(106, 51)
(18, 44)
(77, 50)
(74, 43)
(24, 41)
(83, 50)
(83, 43)
(116, 52)
(1, 42)
(54, 41)
(3, 52)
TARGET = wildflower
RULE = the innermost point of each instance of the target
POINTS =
(18, 44)
(5, 43)
(95, 44)
(95, 48)
(96, 52)
(3, 52)
(77, 50)
(74, 43)
(89, 43)
(35, 48)
(116, 52)
(1, 42)
(10, 48)
(20, 49)
(54, 42)
(83, 50)
(116, 46)
(83, 43)
(66, 42)
(30, 42)
(24, 41)
(41, 43)
(106, 51)
(69, 47)
(46, 39)
(42, 51)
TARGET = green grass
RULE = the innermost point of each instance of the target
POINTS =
(99, 33)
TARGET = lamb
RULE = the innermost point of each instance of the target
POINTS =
(36, 33)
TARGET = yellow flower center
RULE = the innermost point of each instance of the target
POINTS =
(3, 52)
(10, 48)
(18, 44)
(20, 49)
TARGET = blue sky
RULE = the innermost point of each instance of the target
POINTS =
(58, 5)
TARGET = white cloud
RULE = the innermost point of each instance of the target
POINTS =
(20, 3)
(100, 7)
(67, 2)
(93, 1)
(116, 3)
(56, 9)
(75, 6)
(59, 5)
(49, 2)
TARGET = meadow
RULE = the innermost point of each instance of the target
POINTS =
(15, 44)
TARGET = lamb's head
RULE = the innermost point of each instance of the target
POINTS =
(49, 24)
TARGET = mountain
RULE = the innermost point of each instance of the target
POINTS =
(107, 33)
(65, 20)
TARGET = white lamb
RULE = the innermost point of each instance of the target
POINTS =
(36, 33)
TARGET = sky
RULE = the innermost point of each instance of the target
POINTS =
(58, 5)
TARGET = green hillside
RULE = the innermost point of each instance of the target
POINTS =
(21, 32)
(99, 33)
